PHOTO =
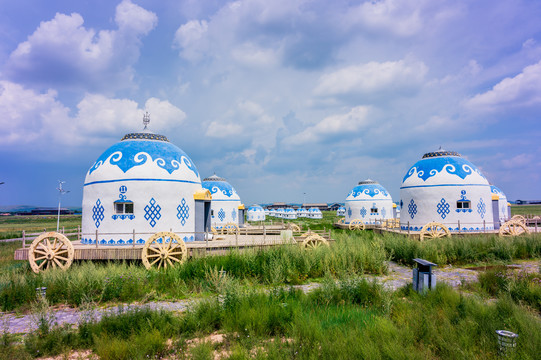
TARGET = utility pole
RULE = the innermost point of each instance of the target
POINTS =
(61, 192)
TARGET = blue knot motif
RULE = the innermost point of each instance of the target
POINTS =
(443, 208)
(412, 208)
(153, 212)
(97, 213)
(183, 212)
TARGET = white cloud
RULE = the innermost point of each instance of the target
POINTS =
(62, 52)
(373, 77)
(521, 90)
(333, 125)
(189, 39)
(36, 120)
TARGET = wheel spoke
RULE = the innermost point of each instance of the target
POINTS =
(153, 256)
(40, 252)
(155, 261)
(154, 249)
(176, 253)
(170, 263)
(62, 252)
(174, 258)
(40, 258)
(61, 258)
(58, 263)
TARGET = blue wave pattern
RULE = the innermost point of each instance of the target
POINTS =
(427, 168)
(368, 189)
(219, 186)
(131, 153)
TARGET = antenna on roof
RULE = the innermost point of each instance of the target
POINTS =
(146, 120)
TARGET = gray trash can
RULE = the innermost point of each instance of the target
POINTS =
(423, 278)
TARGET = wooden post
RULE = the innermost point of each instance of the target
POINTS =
(408, 228)
(265, 234)
(24, 237)
(237, 239)
(79, 232)
(459, 226)
(97, 240)
(63, 230)
(133, 238)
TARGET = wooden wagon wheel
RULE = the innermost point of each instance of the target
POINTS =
(230, 228)
(314, 242)
(163, 249)
(519, 218)
(356, 224)
(50, 249)
(513, 228)
(434, 230)
(342, 221)
(293, 227)
(214, 231)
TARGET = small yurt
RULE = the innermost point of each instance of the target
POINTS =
(302, 212)
(141, 185)
(267, 212)
(314, 213)
(255, 213)
(369, 202)
(444, 187)
(280, 213)
(226, 206)
(504, 210)
(290, 214)
(341, 211)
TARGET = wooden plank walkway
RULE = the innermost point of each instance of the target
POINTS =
(222, 245)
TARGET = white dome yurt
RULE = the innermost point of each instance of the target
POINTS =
(341, 211)
(279, 213)
(255, 213)
(290, 214)
(369, 202)
(142, 184)
(302, 212)
(315, 213)
(226, 204)
(504, 210)
(446, 188)
(267, 212)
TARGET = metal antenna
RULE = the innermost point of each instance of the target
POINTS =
(146, 120)
(61, 192)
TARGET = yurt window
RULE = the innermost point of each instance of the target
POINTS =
(123, 207)
(374, 210)
(463, 204)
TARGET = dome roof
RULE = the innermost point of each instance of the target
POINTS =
(255, 207)
(443, 167)
(368, 189)
(220, 188)
(314, 209)
(143, 156)
(497, 191)
(290, 210)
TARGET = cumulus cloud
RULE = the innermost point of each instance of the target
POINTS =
(63, 53)
(248, 123)
(518, 91)
(373, 77)
(332, 126)
(37, 119)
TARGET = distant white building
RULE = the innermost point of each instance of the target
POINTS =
(302, 212)
(315, 213)
(255, 213)
(289, 214)
(341, 211)
(369, 202)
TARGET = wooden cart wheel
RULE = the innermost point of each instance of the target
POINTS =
(356, 224)
(519, 218)
(513, 228)
(214, 231)
(314, 242)
(163, 249)
(230, 228)
(50, 249)
(434, 230)
(342, 221)
(293, 227)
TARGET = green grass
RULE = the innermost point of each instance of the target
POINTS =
(525, 210)
(120, 281)
(346, 320)
(12, 226)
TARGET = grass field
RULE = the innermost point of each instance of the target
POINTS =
(253, 314)
(525, 210)
(12, 226)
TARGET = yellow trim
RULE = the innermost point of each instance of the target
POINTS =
(202, 194)
(508, 204)
(394, 205)
(241, 207)
(495, 197)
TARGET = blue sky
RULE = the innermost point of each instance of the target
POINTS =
(280, 97)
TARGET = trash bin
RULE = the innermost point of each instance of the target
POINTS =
(507, 340)
(423, 278)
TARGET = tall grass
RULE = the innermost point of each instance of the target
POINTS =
(127, 282)
(462, 249)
